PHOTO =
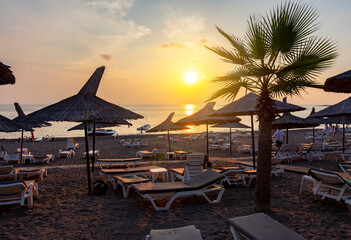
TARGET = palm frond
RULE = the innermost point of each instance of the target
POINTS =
(228, 56)
(255, 39)
(230, 90)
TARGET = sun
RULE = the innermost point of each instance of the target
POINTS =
(191, 77)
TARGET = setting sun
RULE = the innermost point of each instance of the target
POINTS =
(191, 77)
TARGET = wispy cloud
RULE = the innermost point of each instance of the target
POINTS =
(172, 45)
(107, 57)
(120, 7)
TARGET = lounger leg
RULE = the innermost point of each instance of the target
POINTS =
(170, 201)
(236, 235)
(217, 200)
(30, 196)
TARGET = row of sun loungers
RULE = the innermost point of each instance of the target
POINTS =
(257, 226)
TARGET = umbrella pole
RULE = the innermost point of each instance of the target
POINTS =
(253, 143)
(93, 156)
(169, 141)
(21, 154)
(230, 141)
(287, 135)
(87, 155)
(343, 137)
(313, 133)
(208, 152)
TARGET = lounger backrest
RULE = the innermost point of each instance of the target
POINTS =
(204, 179)
(188, 232)
(24, 150)
(326, 177)
(7, 169)
(12, 188)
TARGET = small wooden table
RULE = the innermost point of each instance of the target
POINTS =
(127, 181)
(170, 155)
(155, 172)
(181, 154)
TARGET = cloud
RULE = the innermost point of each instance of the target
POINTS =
(172, 45)
(107, 57)
(120, 7)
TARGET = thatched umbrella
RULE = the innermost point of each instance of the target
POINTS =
(204, 116)
(312, 120)
(339, 83)
(6, 75)
(342, 108)
(288, 121)
(230, 126)
(28, 125)
(247, 106)
(167, 125)
(85, 107)
(7, 125)
(81, 126)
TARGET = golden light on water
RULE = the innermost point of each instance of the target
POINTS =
(189, 109)
(190, 130)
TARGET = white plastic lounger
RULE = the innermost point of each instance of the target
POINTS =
(128, 162)
(330, 185)
(8, 172)
(182, 233)
(260, 226)
(199, 185)
(14, 192)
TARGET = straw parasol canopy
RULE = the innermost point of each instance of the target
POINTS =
(86, 107)
(342, 108)
(167, 125)
(81, 126)
(21, 119)
(6, 75)
(247, 106)
(7, 125)
(205, 116)
(288, 121)
(339, 83)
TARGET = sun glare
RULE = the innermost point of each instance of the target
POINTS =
(191, 77)
(189, 109)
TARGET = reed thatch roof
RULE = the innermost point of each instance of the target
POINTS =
(6, 75)
(247, 106)
(167, 125)
(339, 83)
(337, 120)
(342, 108)
(290, 121)
(230, 125)
(81, 126)
(204, 116)
(7, 125)
(313, 120)
(28, 125)
(85, 106)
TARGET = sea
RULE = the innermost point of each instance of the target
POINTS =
(153, 115)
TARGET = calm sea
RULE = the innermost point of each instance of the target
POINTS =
(153, 115)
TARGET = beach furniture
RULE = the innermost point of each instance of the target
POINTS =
(13, 158)
(31, 171)
(24, 150)
(346, 156)
(14, 192)
(345, 166)
(145, 153)
(260, 226)
(181, 154)
(287, 152)
(128, 162)
(305, 178)
(233, 175)
(331, 184)
(111, 173)
(199, 185)
(126, 182)
(155, 172)
(66, 154)
(315, 151)
(7, 171)
(184, 233)
(71, 144)
(42, 158)
(96, 153)
(348, 203)
(128, 143)
(194, 166)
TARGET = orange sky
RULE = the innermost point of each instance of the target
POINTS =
(147, 47)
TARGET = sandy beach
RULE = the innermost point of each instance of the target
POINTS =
(65, 210)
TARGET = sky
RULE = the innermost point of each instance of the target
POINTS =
(147, 46)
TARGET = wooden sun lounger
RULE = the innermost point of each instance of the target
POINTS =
(200, 185)
(13, 192)
(260, 226)
(128, 162)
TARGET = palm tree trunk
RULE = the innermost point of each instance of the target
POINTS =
(262, 190)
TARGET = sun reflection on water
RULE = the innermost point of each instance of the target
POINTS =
(189, 109)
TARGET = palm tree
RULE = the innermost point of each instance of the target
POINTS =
(278, 57)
